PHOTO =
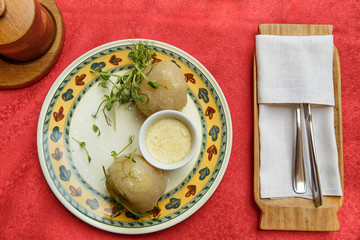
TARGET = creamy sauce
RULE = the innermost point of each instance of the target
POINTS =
(169, 140)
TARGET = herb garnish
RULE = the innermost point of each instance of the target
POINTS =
(83, 145)
(130, 156)
(116, 155)
(96, 129)
(126, 88)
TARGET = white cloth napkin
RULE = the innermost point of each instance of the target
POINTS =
(295, 70)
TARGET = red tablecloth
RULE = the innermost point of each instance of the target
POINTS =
(220, 34)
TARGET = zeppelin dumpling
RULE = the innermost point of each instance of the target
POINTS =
(173, 97)
(139, 182)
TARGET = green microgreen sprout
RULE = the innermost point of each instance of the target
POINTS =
(154, 84)
(96, 129)
(116, 155)
(83, 146)
(131, 157)
(126, 88)
(157, 217)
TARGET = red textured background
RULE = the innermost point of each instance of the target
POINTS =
(220, 34)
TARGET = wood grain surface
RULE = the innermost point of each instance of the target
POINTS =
(2, 7)
(16, 20)
(16, 74)
(299, 214)
(26, 30)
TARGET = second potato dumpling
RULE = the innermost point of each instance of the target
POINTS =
(138, 182)
(171, 93)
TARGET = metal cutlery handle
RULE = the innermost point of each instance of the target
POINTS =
(299, 181)
(316, 187)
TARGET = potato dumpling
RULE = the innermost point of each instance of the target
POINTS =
(173, 97)
(139, 182)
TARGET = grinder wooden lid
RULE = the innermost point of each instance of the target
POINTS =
(2, 7)
(16, 17)
(16, 72)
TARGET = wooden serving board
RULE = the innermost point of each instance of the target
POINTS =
(299, 214)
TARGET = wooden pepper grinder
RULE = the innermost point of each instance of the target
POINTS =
(31, 38)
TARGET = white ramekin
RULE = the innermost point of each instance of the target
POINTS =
(168, 114)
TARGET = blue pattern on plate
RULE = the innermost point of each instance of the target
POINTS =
(68, 95)
(214, 132)
(93, 203)
(97, 66)
(204, 173)
(174, 203)
(56, 134)
(203, 94)
(64, 174)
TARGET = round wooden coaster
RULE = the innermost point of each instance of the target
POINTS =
(21, 74)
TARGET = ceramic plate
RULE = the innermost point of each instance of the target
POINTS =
(66, 116)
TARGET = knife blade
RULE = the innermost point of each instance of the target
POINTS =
(315, 179)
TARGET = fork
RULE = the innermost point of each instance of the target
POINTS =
(299, 180)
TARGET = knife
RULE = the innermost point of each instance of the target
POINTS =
(316, 187)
